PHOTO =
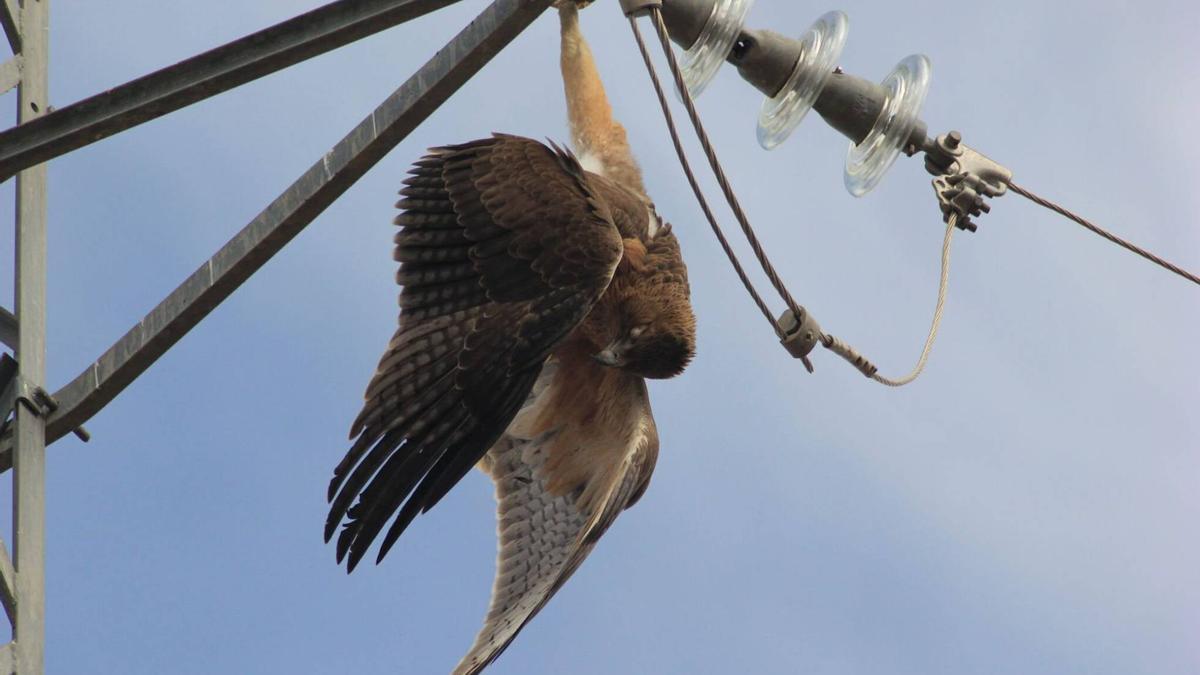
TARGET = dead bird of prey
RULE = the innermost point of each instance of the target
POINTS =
(539, 291)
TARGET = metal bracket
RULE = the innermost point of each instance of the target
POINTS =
(963, 178)
(15, 390)
(799, 337)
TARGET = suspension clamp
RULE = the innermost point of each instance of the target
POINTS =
(963, 178)
(799, 337)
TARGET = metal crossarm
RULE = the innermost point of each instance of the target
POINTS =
(217, 70)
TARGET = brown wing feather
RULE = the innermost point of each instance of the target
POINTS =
(545, 536)
(503, 249)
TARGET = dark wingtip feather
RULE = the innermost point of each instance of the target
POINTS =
(342, 471)
(407, 514)
(330, 528)
(343, 543)
(355, 557)
(339, 476)
(334, 484)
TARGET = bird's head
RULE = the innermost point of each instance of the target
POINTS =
(657, 334)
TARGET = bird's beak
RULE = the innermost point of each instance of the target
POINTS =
(610, 356)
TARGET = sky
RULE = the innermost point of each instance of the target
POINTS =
(1029, 505)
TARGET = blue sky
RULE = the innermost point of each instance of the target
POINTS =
(1027, 506)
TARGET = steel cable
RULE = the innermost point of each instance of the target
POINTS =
(687, 170)
(1040, 201)
(718, 172)
(837, 346)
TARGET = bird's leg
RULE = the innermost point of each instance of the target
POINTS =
(559, 4)
(598, 138)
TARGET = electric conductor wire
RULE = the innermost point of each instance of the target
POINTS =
(1041, 201)
(943, 285)
(837, 346)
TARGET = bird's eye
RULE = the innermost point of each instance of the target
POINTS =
(637, 331)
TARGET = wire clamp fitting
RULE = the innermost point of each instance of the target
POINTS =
(799, 338)
(963, 178)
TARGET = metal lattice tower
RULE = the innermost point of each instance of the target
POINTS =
(42, 133)
(31, 417)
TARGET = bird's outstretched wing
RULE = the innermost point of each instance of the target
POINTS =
(544, 536)
(503, 249)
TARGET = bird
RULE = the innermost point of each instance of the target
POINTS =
(540, 289)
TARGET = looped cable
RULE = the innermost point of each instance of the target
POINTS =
(839, 347)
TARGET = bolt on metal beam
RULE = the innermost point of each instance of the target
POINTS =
(215, 71)
(290, 213)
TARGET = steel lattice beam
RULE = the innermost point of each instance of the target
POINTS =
(228, 66)
(29, 456)
(10, 21)
(8, 584)
(8, 328)
(285, 217)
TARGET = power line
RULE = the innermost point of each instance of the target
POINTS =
(1041, 201)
